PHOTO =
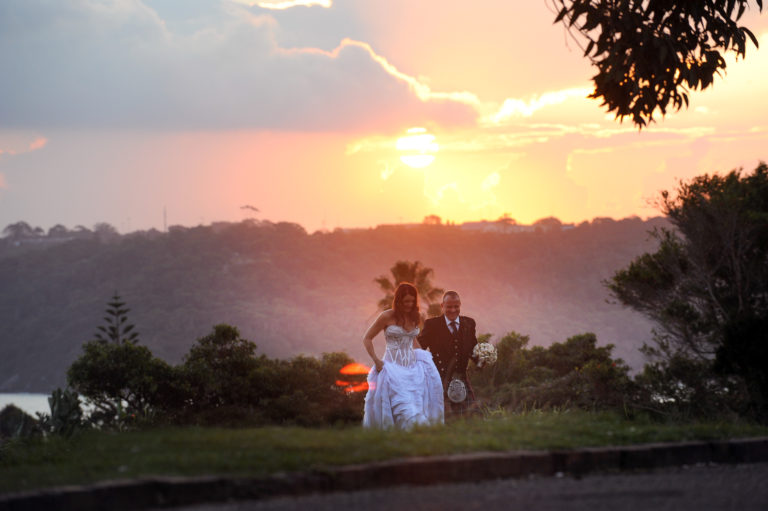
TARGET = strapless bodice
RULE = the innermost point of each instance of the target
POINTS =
(407, 391)
(399, 344)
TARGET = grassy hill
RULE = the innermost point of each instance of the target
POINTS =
(292, 292)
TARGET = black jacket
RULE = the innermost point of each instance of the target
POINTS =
(450, 353)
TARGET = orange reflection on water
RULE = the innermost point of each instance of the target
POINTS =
(360, 387)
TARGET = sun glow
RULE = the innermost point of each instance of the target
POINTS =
(354, 368)
(349, 385)
(418, 148)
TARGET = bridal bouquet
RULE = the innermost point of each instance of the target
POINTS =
(485, 353)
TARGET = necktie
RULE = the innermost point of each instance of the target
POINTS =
(453, 327)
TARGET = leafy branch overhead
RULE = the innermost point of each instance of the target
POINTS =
(651, 53)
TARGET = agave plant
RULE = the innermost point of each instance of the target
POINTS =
(66, 415)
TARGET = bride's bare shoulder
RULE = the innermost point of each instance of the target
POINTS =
(386, 316)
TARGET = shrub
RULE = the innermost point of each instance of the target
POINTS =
(220, 370)
(683, 388)
(120, 380)
(227, 383)
(576, 373)
(15, 423)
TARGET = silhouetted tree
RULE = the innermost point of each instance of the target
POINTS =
(105, 231)
(418, 275)
(549, 223)
(506, 221)
(707, 284)
(117, 329)
(649, 54)
(57, 231)
(253, 211)
(119, 379)
(19, 230)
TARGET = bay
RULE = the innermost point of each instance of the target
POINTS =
(29, 402)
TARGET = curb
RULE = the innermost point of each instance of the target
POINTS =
(177, 491)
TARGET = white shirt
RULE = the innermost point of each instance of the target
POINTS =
(448, 322)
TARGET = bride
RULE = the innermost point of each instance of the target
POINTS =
(404, 389)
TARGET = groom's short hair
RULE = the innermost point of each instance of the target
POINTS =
(452, 294)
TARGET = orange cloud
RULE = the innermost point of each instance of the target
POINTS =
(38, 143)
(18, 143)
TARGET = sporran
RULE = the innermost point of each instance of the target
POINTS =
(457, 391)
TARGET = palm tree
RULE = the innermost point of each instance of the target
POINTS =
(418, 275)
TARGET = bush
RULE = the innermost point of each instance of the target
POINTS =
(221, 370)
(679, 387)
(15, 423)
(310, 395)
(228, 384)
(120, 380)
(576, 373)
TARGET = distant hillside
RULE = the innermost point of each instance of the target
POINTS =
(293, 292)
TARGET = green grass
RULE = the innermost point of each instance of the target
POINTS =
(98, 455)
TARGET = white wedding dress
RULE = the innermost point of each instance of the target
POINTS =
(408, 390)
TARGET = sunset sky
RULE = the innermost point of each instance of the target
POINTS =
(335, 113)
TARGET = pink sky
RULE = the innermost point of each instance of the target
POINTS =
(113, 111)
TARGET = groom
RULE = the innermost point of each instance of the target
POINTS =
(451, 339)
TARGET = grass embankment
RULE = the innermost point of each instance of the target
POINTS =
(97, 455)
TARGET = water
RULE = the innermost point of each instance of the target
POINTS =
(30, 403)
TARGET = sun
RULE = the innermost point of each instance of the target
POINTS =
(418, 148)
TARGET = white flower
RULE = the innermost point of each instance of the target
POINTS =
(485, 353)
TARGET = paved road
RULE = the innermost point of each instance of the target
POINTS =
(737, 487)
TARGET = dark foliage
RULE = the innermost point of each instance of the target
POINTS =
(227, 383)
(120, 380)
(744, 352)
(649, 54)
(220, 370)
(222, 381)
(15, 423)
(676, 387)
(706, 286)
(117, 328)
(576, 373)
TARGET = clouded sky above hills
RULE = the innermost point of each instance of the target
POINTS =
(113, 110)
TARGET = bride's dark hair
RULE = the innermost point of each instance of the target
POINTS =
(406, 289)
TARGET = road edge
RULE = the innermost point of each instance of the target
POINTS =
(126, 495)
